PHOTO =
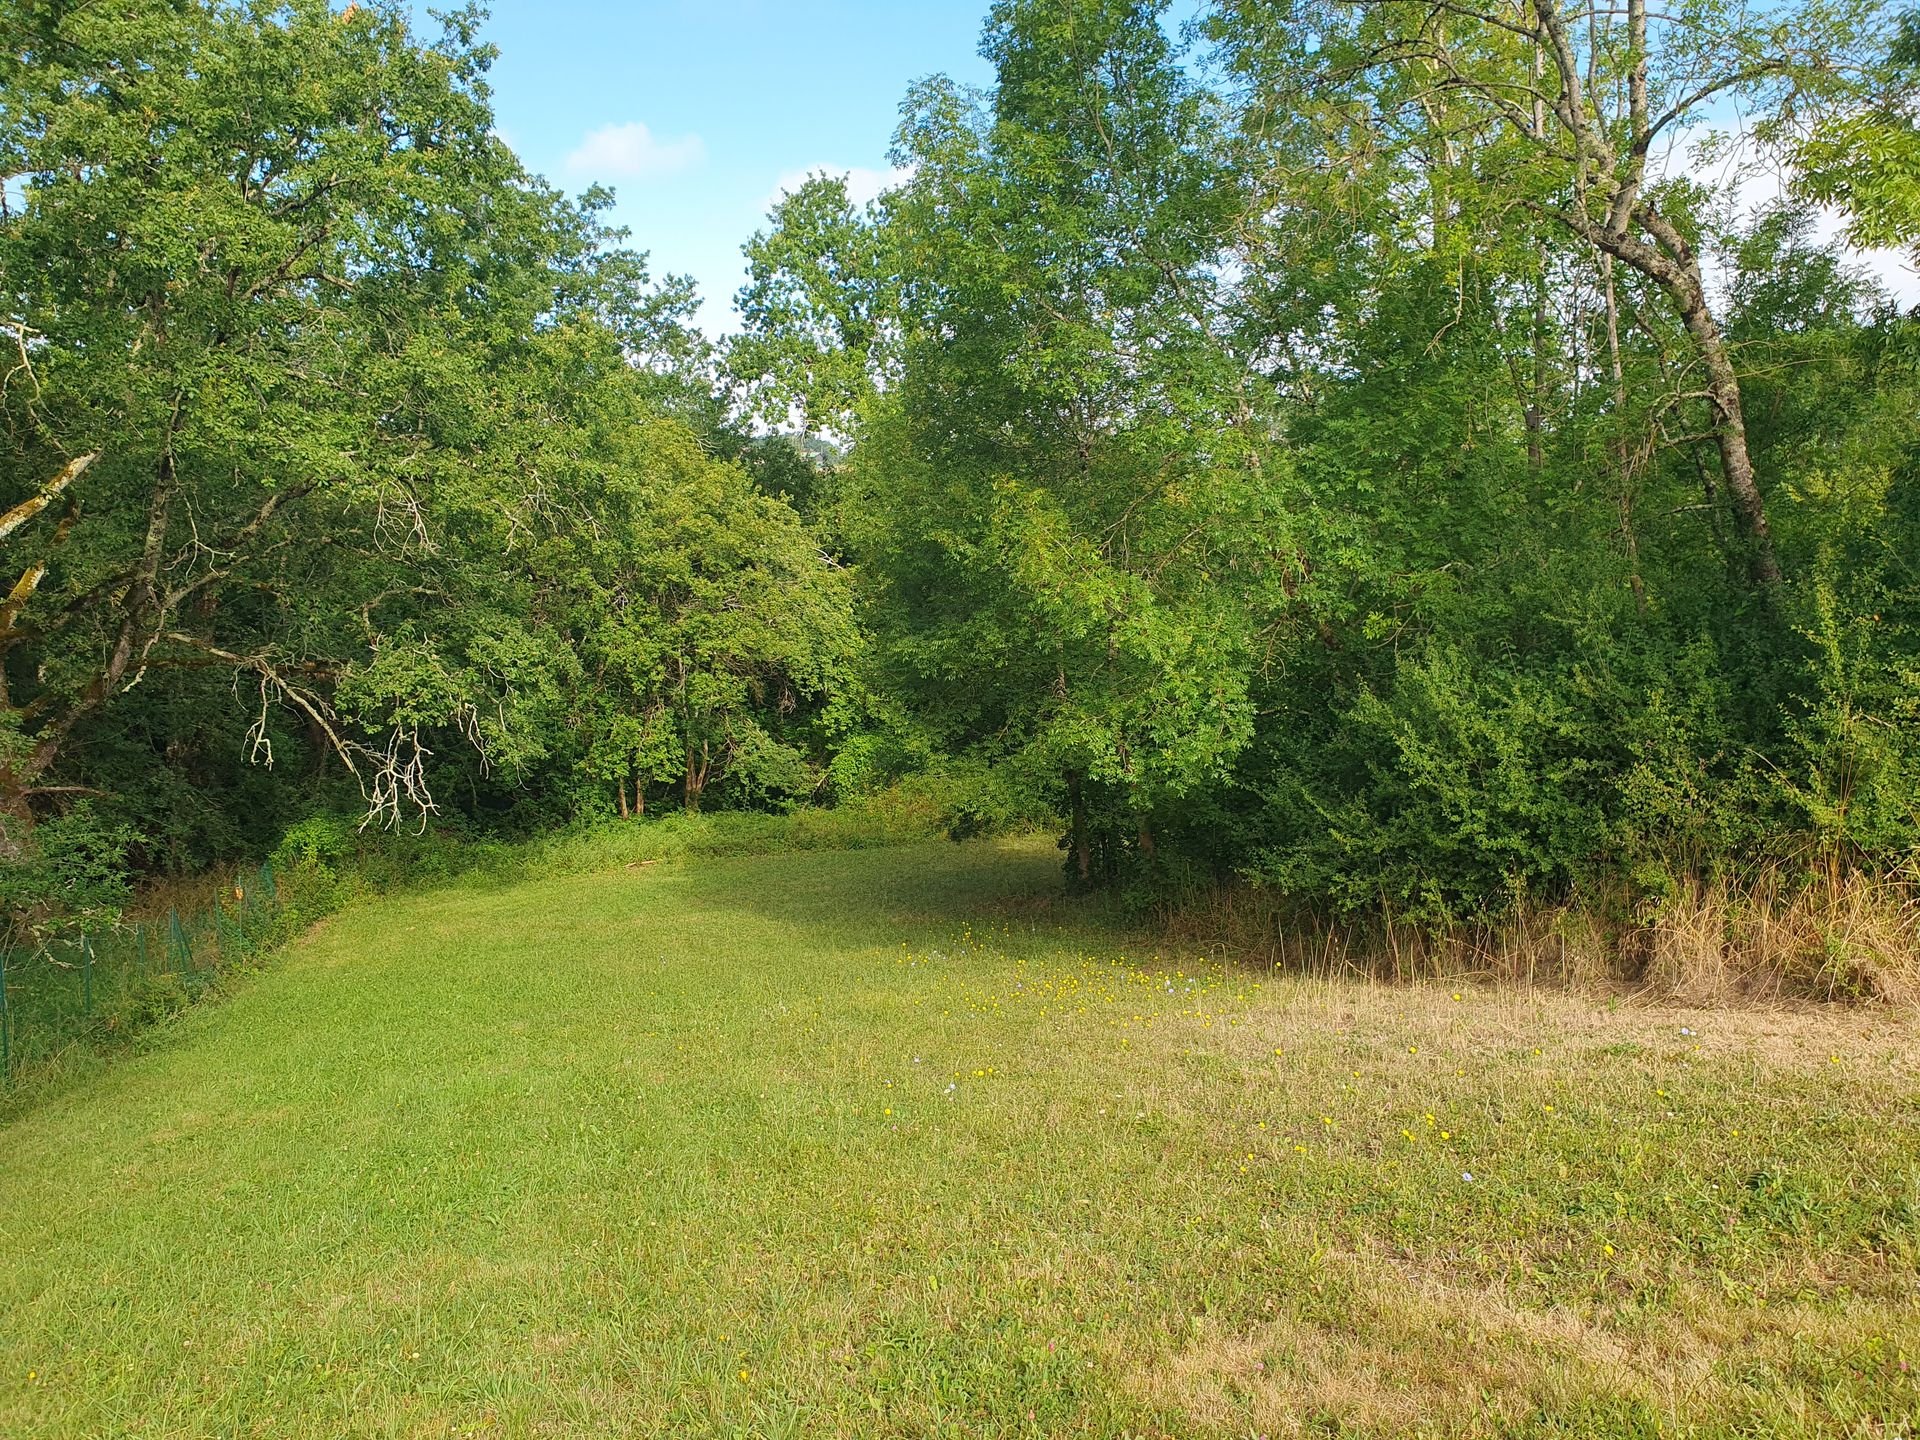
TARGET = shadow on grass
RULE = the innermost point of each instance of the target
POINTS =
(871, 896)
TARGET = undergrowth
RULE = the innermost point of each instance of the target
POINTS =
(1779, 934)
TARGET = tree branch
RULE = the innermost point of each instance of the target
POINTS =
(50, 492)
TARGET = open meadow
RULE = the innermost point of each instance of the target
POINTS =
(898, 1143)
(556, 565)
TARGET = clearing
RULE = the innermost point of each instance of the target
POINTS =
(895, 1143)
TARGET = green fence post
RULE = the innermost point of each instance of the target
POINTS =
(86, 974)
(177, 942)
(6, 1022)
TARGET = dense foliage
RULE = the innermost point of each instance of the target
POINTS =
(1330, 446)
(351, 464)
(1326, 444)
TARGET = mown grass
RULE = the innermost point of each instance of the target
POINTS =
(65, 1028)
(896, 1143)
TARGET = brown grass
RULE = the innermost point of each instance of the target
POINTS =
(1837, 938)
(193, 894)
(1418, 1354)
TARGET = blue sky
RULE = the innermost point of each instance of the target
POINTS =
(697, 111)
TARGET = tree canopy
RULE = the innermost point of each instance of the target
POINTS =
(1345, 444)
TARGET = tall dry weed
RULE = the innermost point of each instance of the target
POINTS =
(1837, 937)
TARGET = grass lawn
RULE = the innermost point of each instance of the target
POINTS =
(894, 1143)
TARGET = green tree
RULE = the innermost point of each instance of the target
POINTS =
(1557, 112)
(267, 275)
(711, 629)
(818, 313)
(1865, 159)
(1050, 504)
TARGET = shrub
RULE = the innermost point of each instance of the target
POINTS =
(70, 873)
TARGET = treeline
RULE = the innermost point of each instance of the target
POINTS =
(351, 465)
(1335, 444)
(1345, 445)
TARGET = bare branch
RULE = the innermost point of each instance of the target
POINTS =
(310, 704)
(237, 542)
(50, 492)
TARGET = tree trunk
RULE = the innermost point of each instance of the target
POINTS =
(1669, 261)
(1535, 418)
(620, 792)
(139, 626)
(1671, 264)
(1622, 467)
(16, 818)
(1730, 430)
(1082, 857)
(696, 779)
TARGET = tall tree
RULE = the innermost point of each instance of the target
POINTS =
(1560, 111)
(262, 269)
(1050, 498)
(819, 327)
(706, 631)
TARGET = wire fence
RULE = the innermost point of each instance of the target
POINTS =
(95, 987)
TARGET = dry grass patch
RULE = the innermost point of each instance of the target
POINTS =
(1839, 937)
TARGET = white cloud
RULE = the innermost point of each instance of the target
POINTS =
(633, 152)
(863, 184)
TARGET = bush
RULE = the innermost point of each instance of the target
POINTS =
(71, 873)
(319, 842)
